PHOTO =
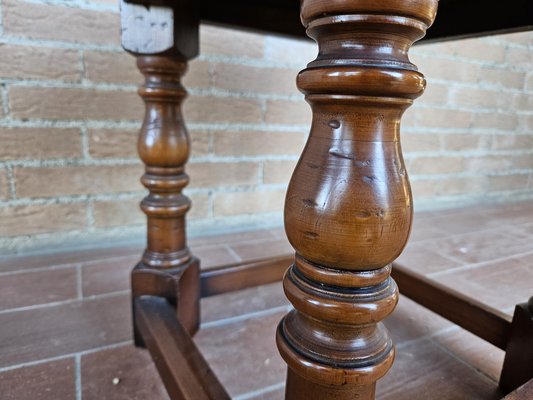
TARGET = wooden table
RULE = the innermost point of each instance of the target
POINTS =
(348, 208)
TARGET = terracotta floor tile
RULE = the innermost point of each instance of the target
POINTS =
(63, 329)
(483, 246)
(411, 321)
(258, 250)
(249, 348)
(48, 381)
(137, 375)
(229, 238)
(424, 260)
(16, 263)
(474, 351)
(99, 277)
(498, 284)
(214, 256)
(423, 371)
(37, 287)
(243, 302)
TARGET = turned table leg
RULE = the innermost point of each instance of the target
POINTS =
(163, 39)
(348, 208)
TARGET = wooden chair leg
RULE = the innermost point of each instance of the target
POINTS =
(163, 39)
(518, 362)
(348, 208)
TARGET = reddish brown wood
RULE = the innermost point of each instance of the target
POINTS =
(163, 39)
(348, 206)
(239, 276)
(518, 363)
(482, 320)
(183, 369)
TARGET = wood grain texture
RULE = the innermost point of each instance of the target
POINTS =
(167, 268)
(184, 371)
(348, 207)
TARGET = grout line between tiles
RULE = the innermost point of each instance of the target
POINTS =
(244, 317)
(39, 269)
(65, 356)
(233, 253)
(462, 361)
(79, 283)
(258, 392)
(64, 302)
(481, 264)
(78, 376)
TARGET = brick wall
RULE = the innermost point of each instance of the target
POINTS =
(69, 112)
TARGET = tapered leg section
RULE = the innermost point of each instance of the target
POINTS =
(163, 39)
(348, 208)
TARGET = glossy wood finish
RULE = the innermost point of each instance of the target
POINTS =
(167, 268)
(229, 278)
(518, 363)
(182, 367)
(348, 207)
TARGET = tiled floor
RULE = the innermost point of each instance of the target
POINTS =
(65, 318)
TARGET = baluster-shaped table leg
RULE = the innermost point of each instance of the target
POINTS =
(348, 208)
(163, 39)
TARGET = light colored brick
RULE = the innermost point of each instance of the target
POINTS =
(434, 188)
(197, 75)
(226, 204)
(480, 49)
(111, 67)
(435, 165)
(519, 58)
(484, 164)
(278, 171)
(288, 112)
(412, 142)
(211, 109)
(442, 118)
(512, 142)
(523, 102)
(250, 143)
(230, 42)
(290, 51)
(112, 143)
(118, 143)
(120, 68)
(434, 94)
(508, 182)
(32, 62)
(74, 103)
(529, 81)
(223, 174)
(466, 141)
(50, 22)
(76, 180)
(4, 185)
(33, 219)
(495, 120)
(200, 206)
(480, 98)
(521, 38)
(523, 161)
(242, 78)
(117, 213)
(39, 143)
(500, 76)
(445, 69)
